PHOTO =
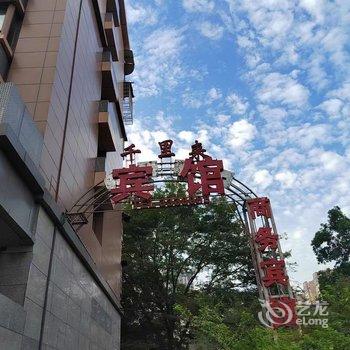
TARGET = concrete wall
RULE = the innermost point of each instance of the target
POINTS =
(63, 304)
(62, 291)
(62, 95)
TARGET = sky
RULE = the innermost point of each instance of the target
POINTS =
(265, 86)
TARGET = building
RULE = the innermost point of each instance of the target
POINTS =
(64, 103)
(312, 289)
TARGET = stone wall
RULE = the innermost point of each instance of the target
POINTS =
(64, 307)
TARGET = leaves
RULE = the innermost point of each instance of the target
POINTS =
(332, 241)
(168, 252)
(170, 305)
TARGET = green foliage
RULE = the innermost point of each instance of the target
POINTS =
(325, 339)
(215, 333)
(167, 250)
(332, 240)
(165, 311)
(332, 243)
(335, 289)
(223, 318)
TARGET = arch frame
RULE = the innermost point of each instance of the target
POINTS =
(99, 199)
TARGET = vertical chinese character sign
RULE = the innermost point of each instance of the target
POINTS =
(269, 263)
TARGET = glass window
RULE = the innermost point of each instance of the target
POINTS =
(3, 9)
(15, 28)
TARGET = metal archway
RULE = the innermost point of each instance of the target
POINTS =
(268, 265)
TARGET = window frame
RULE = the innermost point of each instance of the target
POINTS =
(5, 29)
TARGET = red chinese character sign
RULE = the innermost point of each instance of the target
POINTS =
(165, 149)
(135, 184)
(133, 181)
(274, 272)
(259, 207)
(130, 152)
(265, 238)
(203, 173)
(270, 264)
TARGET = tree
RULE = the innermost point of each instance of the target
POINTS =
(332, 244)
(168, 251)
(218, 328)
(332, 240)
(169, 305)
(232, 326)
(335, 290)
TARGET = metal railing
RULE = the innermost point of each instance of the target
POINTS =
(128, 95)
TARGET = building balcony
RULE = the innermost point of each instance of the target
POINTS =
(110, 127)
(106, 128)
(100, 170)
(111, 78)
(113, 7)
(129, 63)
(111, 35)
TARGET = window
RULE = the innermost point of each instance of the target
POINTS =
(3, 10)
(13, 33)
(10, 25)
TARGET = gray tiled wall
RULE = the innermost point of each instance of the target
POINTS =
(17, 200)
(78, 315)
(14, 112)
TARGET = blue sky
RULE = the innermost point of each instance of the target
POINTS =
(265, 85)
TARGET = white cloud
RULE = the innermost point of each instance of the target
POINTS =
(308, 135)
(332, 107)
(288, 56)
(189, 100)
(281, 88)
(316, 71)
(331, 161)
(159, 67)
(198, 5)
(252, 60)
(187, 136)
(303, 135)
(272, 115)
(204, 137)
(210, 30)
(335, 43)
(196, 99)
(238, 104)
(182, 153)
(245, 42)
(315, 8)
(138, 13)
(214, 94)
(223, 118)
(262, 178)
(342, 93)
(164, 42)
(240, 133)
(289, 157)
(286, 178)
